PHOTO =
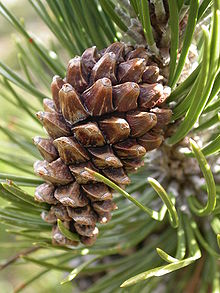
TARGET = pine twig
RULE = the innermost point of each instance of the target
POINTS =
(17, 256)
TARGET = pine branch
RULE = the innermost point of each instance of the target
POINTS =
(18, 256)
(121, 249)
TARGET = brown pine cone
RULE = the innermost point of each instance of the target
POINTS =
(105, 115)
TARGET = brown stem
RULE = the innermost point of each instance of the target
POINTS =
(24, 285)
(193, 283)
(17, 256)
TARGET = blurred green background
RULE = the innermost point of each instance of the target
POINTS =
(15, 275)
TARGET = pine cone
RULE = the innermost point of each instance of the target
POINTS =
(105, 115)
